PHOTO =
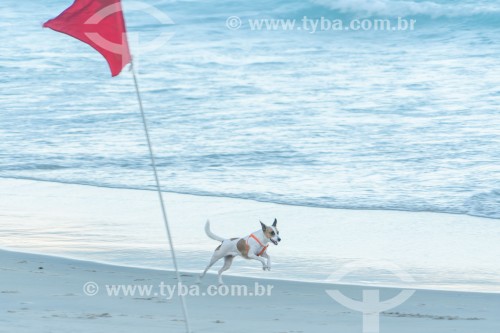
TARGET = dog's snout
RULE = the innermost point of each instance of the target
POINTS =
(279, 239)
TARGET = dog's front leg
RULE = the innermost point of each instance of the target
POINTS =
(253, 256)
(268, 257)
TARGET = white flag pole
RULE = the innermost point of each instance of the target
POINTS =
(158, 189)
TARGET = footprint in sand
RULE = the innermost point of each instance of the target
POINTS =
(426, 316)
(97, 315)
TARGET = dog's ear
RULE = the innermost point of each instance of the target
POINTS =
(264, 227)
(275, 222)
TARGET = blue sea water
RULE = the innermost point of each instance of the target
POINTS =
(406, 120)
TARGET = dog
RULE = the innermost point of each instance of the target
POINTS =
(253, 246)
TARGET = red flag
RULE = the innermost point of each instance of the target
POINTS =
(100, 24)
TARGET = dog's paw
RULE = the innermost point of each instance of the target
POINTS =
(266, 268)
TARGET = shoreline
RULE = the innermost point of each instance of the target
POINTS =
(44, 293)
(211, 195)
(122, 227)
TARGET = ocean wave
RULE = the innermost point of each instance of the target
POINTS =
(393, 8)
(484, 12)
(32, 166)
(483, 205)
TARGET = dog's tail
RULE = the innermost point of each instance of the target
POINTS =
(211, 234)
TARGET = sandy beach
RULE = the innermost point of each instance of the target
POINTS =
(115, 229)
(42, 293)
(46, 294)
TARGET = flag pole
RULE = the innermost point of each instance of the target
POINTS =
(158, 190)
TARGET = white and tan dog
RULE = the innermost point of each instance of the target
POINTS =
(253, 246)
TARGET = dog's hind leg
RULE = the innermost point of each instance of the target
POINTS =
(228, 261)
(216, 256)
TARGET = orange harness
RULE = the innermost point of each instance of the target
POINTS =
(264, 248)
